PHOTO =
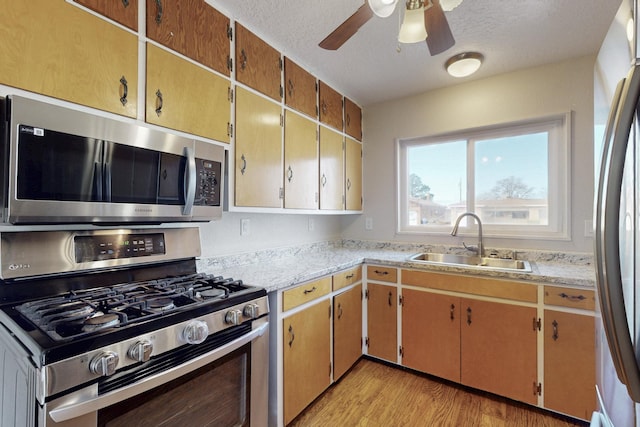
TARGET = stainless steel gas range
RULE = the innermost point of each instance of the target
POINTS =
(116, 327)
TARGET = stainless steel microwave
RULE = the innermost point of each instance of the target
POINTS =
(65, 166)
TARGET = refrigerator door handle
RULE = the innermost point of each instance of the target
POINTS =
(607, 233)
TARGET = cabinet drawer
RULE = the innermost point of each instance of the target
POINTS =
(382, 274)
(570, 297)
(347, 277)
(516, 291)
(305, 293)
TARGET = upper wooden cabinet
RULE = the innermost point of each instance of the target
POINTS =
(184, 96)
(300, 89)
(192, 28)
(258, 65)
(258, 153)
(353, 169)
(331, 169)
(300, 162)
(330, 107)
(352, 119)
(123, 11)
(57, 49)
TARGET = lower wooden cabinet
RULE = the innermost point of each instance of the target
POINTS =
(306, 357)
(347, 330)
(569, 363)
(431, 333)
(499, 349)
(382, 321)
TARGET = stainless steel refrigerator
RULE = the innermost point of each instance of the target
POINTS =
(617, 221)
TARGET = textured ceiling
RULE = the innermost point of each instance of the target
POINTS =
(371, 67)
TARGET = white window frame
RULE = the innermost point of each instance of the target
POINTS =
(559, 170)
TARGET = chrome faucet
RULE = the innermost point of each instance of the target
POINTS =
(477, 249)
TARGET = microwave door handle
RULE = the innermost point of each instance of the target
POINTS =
(189, 181)
(97, 180)
(610, 285)
(107, 182)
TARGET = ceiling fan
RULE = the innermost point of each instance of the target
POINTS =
(439, 37)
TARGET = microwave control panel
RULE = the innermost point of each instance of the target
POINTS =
(208, 182)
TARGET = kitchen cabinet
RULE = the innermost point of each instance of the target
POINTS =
(301, 162)
(382, 321)
(431, 333)
(347, 330)
(331, 169)
(347, 277)
(499, 349)
(192, 28)
(301, 89)
(57, 49)
(306, 357)
(258, 65)
(258, 151)
(124, 12)
(353, 172)
(330, 111)
(202, 109)
(569, 363)
(352, 119)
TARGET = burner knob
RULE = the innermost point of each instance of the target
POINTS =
(140, 351)
(251, 311)
(104, 364)
(233, 317)
(195, 332)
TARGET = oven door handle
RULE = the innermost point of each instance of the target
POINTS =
(75, 410)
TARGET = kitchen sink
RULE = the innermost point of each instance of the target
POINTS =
(472, 261)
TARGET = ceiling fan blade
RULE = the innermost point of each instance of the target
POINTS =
(439, 36)
(347, 29)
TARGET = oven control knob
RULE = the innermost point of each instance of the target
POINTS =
(233, 317)
(195, 332)
(251, 311)
(140, 351)
(104, 364)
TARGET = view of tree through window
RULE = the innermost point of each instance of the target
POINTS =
(503, 175)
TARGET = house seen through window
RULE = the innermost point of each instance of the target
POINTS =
(514, 177)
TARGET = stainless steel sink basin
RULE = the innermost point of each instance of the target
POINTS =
(473, 261)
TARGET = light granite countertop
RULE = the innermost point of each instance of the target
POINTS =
(283, 267)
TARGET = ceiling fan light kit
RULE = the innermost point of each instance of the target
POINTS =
(464, 64)
(449, 5)
(382, 8)
(412, 29)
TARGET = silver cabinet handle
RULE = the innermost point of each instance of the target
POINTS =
(289, 174)
(243, 168)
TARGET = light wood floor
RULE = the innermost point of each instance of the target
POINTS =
(373, 394)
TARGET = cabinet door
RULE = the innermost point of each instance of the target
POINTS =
(300, 89)
(431, 333)
(258, 65)
(123, 11)
(184, 96)
(498, 348)
(330, 107)
(352, 119)
(306, 357)
(57, 49)
(347, 330)
(353, 183)
(258, 176)
(192, 28)
(569, 363)
(382, 321)
(300, 162)
(331, 169)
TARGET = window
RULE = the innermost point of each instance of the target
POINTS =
(515, 177)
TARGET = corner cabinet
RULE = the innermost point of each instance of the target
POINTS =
(58, 49)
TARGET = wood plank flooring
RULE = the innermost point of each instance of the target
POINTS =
(373, 394)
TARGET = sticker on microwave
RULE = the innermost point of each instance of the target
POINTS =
(31, 130)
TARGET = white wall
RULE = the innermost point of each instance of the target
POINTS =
(530, 93)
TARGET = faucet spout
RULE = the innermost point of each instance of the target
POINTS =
(479, 249)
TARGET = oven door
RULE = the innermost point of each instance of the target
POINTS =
(226, 386)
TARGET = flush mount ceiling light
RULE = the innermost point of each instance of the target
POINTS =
(382, 8)
(463, 64)
(413, 29)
